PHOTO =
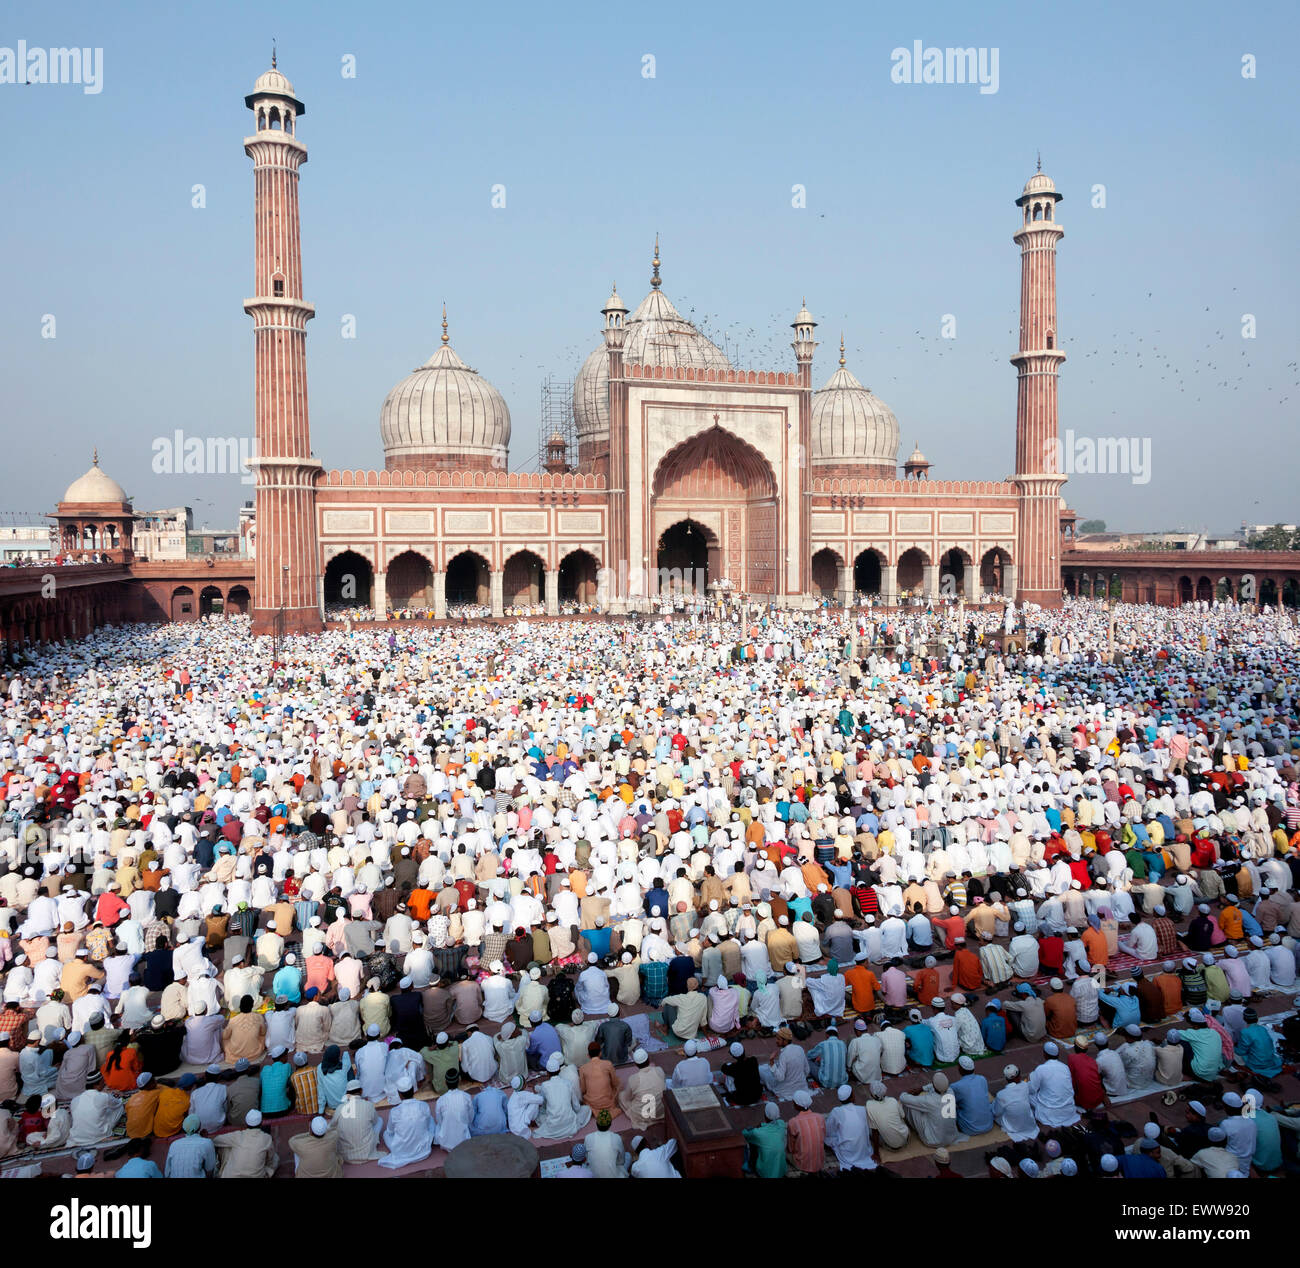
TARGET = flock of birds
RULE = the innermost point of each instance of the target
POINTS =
(1203, 374)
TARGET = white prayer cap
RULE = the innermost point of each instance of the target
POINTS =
(1010, 1071)
(844, 1092)
(966, 1063)
(344, 994)
(319, 1126)
(689, 1048)
(803, 1099)
(373, 1030)
(1056, 984)
(737, 1050)
(535, 1016)
(253, 1118)
(640, 1056)
(442, 1037)
(404, 984)
(535, 973)
(1151, 1131)
(291, 958)
(554, 1062)
(142, 1080)
(877, 1089)
(405, 1084)
(577, 1017)
(1109, 1163)
(771, 1111)
(1218, 1135)
(625, 958)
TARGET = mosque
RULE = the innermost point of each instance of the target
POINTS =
(685, 469)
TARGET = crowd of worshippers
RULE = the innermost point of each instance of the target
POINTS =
(403, 893)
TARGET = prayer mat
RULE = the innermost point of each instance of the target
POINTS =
(915, 1148)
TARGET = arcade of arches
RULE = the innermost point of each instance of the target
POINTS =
(871, 574)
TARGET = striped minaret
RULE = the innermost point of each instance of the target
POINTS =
(288, 558)
(1038, 464)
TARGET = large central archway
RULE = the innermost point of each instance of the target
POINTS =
(727, 489)
(468, 580)
(686, 550)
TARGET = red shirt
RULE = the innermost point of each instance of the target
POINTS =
(1088, 1090)
(1051, 952)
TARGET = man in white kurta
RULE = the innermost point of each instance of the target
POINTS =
(563, 1114)
(359, 1124)
(1051, 1091)
(848, 1133)
(372, 1061)
(410, 1132)
(453, 1115)
(522, 1109)
(94, 1115)
(786, 1073)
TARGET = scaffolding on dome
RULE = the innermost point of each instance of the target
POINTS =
(556, 418)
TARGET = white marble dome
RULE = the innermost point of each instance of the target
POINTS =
(444, 409)
(95, 486)
(273, 81)
(656, 334)
(850, 424)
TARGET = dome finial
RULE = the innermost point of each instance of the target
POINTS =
(94, 456)
(1040, 160)
(654, 277)
(272, 52)
(841, 349)
(444, 321)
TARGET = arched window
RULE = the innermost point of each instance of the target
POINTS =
(275, 118)
(1051, 340)
(261, 120)
(277, 287)
(1047, 214)
(1038, 211)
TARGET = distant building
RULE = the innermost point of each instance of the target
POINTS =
(19, 542)
(162, 534)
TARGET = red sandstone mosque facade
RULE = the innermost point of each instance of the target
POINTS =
(757, 481)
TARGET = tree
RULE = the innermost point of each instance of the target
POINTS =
(1275, 538)
(1093, 526)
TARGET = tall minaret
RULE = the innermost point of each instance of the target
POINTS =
(615, 332)
(288, 557)
(804, 346)
(1037, 476)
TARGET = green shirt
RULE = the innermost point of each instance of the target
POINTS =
(439, 1061)
(767, 1150)
(1207, 1052)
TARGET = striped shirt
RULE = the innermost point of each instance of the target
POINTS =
(806, 1141)
(305, 1094)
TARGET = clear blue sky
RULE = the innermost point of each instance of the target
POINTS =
(909, 217)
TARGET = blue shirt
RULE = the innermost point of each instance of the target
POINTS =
(489, 1113)
(138, 1169)
(275, 1087)
(994, 1030)
(1140, 1167)
(599, 939)
(974, 1109)
(543, 1041)
(1128, 1009)
(920, 1043)
(288, 982)
(830, 1061)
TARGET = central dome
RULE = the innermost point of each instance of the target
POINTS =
(853, 431)
(445, 416)
(657, 334)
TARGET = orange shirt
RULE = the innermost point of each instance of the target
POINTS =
(863, 984)
(1094, 942)
(1230, 922)
(966, 972)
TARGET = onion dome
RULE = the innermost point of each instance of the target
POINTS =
(445, 414)
(852, 426)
